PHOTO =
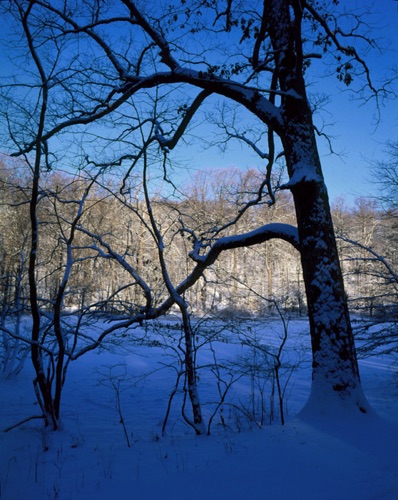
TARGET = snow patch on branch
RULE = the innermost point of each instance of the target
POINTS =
(260, 235)
(264, 233)
(226, 86)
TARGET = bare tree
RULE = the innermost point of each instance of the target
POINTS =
(385, 174)
(142, 68)
(370, 252)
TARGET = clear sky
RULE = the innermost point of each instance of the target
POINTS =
(352, 125)
(357, 131)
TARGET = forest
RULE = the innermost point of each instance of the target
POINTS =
(366, 234)
(99, 256)
(151, 289)
(251, 357)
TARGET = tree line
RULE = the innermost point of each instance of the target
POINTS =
(367, 243)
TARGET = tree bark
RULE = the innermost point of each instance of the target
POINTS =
(335, 367)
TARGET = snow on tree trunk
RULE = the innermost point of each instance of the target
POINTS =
(335, 367)
(334, 359)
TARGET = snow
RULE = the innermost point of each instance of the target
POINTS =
(279, 230)
(337, 455)
(303, 172)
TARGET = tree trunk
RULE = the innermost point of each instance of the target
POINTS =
(335, 367)
(270, 275)
(191, 376)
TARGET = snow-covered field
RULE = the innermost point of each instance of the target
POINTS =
(308, 458)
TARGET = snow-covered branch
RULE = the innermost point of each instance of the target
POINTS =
(112, 254)
(377, 257)
(265, 233)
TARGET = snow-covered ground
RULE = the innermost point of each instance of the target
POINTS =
(308, 458)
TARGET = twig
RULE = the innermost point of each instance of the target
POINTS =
(22, 422)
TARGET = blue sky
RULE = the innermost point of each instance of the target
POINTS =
(357, 131)
(356, 136)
